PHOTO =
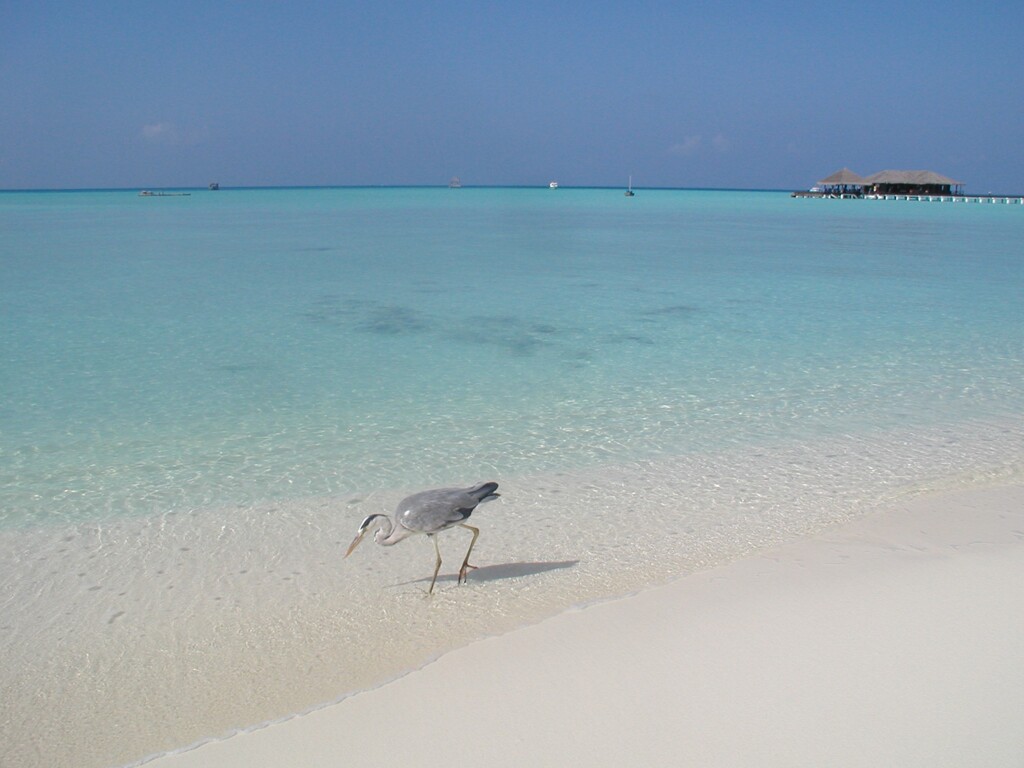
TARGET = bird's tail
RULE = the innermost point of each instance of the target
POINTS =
(484, 492)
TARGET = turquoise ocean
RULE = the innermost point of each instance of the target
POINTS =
(203, 395)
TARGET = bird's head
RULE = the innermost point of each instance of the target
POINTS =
(364, 527)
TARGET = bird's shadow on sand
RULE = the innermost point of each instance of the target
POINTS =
(499, 572)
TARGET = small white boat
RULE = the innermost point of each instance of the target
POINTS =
(455, 183)
(553, 185)
(629, 189)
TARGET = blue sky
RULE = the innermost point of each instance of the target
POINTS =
(678, 94)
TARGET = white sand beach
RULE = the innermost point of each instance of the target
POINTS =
(894, 640)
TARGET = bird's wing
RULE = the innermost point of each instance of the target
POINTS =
(435, 510)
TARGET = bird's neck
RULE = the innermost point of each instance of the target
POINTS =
(383, 535)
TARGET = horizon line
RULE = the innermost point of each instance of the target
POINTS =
(222, 188)
(248, 187)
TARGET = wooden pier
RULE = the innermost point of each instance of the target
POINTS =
(989, 199)
(908, 186)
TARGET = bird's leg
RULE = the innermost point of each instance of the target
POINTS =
(437, 565)
(465, 563)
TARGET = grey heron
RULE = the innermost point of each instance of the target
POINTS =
(429, 512)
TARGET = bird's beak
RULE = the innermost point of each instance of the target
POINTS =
(355, 542)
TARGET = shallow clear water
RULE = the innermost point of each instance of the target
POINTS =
(235, 347)
(203, 395)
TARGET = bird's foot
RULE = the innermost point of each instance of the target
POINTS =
(464, 572)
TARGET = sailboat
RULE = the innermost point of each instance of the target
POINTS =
(629, 190)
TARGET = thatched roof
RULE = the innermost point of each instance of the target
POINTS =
(845, 177)
(916, 178)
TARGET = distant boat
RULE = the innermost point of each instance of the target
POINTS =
(553, 185)
(455, 183)
(147, 193)
(629, 189)
(214, 186)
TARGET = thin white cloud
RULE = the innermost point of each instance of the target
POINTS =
(161, 133)
(169, 134)
(696, 145)
(687, 147)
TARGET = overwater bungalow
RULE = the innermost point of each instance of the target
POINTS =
(842, 182)
(846, 183)
(911, 183)
(927, 186)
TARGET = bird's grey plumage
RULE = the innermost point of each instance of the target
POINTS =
(429, 512)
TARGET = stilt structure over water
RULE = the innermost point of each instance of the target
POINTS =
(926, 186)
(910, 183)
